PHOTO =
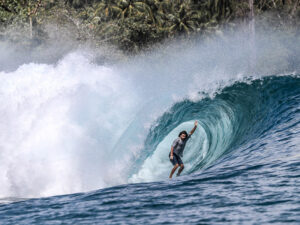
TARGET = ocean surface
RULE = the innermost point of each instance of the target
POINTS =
(88, 144)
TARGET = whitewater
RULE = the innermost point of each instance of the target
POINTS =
(83, 142)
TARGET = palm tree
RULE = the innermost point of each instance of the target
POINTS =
(132, 8)
(107, 9)
(183, 19)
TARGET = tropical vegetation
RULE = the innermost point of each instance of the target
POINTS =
(133, 25)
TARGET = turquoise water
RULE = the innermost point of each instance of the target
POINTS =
(242, 165)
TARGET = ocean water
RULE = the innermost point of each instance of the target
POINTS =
(83, 143)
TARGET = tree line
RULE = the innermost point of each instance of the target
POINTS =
(136, 24)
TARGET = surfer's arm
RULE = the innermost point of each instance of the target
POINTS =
(195, 127)
(171, 155)
(172, 149)
(175, 142)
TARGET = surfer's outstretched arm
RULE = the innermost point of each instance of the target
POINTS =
(195, 127)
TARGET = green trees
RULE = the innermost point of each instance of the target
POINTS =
(106, 9)
(136, 24)
(183, 19)
(24, 10)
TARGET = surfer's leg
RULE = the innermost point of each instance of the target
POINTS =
(173, 170)
(180, 170)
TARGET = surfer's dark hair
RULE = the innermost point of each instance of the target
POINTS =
(183, 132)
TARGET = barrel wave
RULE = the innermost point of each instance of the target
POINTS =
(83, 143)
(240, 115)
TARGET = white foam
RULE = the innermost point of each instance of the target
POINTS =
(58, 125)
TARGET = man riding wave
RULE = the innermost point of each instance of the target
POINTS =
(177, 150)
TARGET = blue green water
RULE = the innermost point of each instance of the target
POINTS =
(242, 166)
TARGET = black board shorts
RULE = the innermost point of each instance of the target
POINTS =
(176, 159)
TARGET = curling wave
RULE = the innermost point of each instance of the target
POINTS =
(65, 132)
(239, 114)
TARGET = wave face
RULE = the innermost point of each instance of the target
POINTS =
(242, 164)
(82, 142)
(239, 115)
(76, 126)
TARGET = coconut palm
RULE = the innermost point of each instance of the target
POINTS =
(107, 9)
(183, 19)
(132, 8)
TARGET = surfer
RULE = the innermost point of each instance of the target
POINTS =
(177, 150)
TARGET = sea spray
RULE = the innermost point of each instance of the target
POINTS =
(58, 125)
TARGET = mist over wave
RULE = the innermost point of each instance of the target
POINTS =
(76, 126)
